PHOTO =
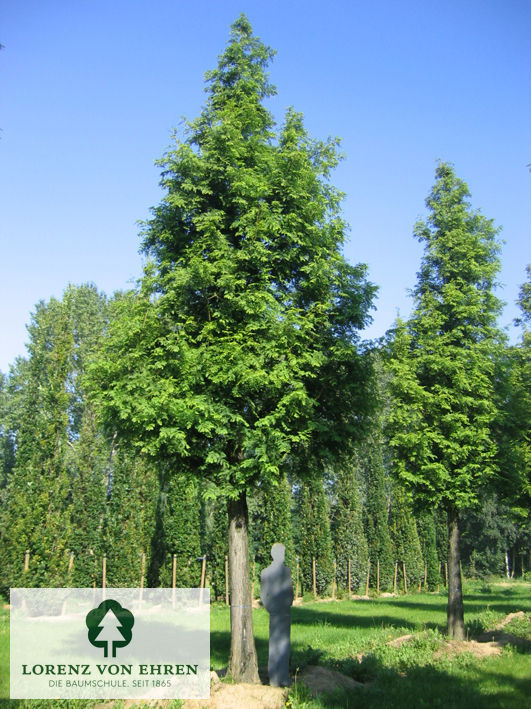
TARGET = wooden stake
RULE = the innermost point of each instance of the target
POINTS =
(314, 578)
(26, 561)
(91, 552)
(420, 584)
(334, 580)
(378, 576)
(396, 574)
(173, 579)
(70, 562)
(104, 575)
(203, 571)
(349, 580)
(142, 575)
(405, 578)
(368, 577)
(227, 580)
(254, 576)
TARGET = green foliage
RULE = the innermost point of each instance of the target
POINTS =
(348, 536)
(442, 360)
(404, 536)
(270, 522)
(488, 533)
(180, 517)
(428, 544)
(216, 546)
(129, 524)
(512, 427)
(313, 536)
(241, 345)
(42, 495)
(441, 535)
(379, 542)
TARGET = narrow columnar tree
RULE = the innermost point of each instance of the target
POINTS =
(404, 536)
(180, 512)
(428, 545)
(443, 367)
(130, 519)
(350, 544)
(241, 347)
(376, 512)
(314, 540)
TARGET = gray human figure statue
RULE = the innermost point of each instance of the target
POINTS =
(276, 594)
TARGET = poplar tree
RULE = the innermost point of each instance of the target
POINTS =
(443, 367)
(241, 348)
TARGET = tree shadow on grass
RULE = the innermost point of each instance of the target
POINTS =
(474, 604)
(310, 616)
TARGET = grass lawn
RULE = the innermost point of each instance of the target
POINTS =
(336, 634)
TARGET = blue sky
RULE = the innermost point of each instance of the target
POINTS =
(90, 91)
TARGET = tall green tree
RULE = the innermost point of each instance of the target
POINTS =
(512, 427)
(443, 367)
(240, 349)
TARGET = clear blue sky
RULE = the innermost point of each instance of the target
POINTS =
(90, 91)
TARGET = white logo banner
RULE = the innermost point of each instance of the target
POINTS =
(114, 643)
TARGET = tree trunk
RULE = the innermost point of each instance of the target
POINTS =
(243, 663)
(455, 616)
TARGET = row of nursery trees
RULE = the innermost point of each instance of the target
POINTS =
(71, 487)
(228, 401)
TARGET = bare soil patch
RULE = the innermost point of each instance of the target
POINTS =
(321, 679)
(249, 696)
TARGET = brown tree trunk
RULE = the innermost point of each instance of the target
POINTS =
(455, 615)
(243, 663)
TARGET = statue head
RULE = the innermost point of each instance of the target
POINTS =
(278, 552)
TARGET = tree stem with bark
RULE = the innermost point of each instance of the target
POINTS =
(243, 662)
(455, 614)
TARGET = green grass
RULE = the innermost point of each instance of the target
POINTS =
(335, 634)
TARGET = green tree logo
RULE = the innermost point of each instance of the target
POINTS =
(110, 626)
